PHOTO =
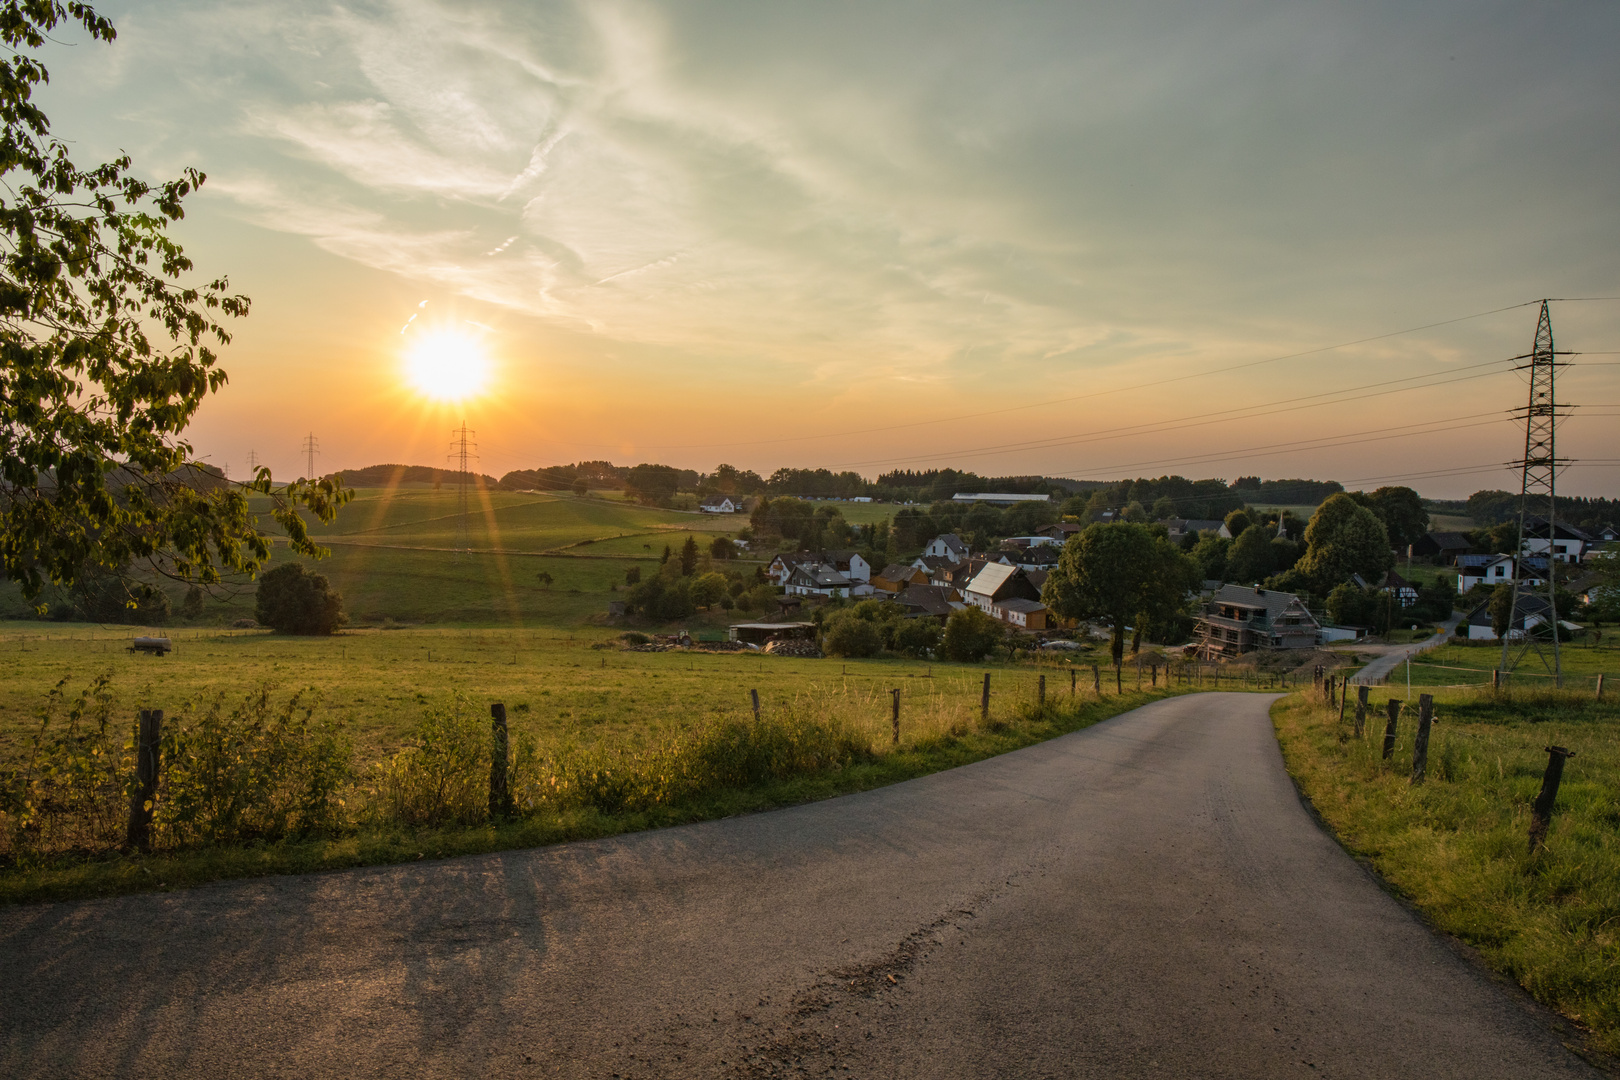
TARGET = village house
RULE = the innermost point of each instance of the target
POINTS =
(1061, 531)
(998, 582)
(848, 563)
(1181, 527)
(782, 566)
(1530, 612)
(1024, 614)
(1404, 592)
(717, 504)
(947, 546)
(928, 601)
(1569, 544)
(1483, 570)
(896, 576)
(1443, 547)
(1241, 619)
(818, 579)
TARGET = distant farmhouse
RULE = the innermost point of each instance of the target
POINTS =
(1180, 527)
(717, 504)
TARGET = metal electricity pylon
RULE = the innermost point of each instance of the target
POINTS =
(462, 451)
(1538, 498)
(311, 447)
(253, 464)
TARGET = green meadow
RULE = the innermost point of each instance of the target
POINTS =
(1456, 845)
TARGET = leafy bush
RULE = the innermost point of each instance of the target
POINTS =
(971, 635)
(718, 754)
(847, 634)
(294, 601)
(443, 778)
(66, 792)
(252, 772)
(917, 637)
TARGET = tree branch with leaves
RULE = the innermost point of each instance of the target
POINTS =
(107, 350)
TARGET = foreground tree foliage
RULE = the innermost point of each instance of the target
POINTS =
(294, 601)
(1343, 538)
(106, 353)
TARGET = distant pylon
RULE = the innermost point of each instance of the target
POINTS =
(253, 464)
(462, 450)
(1538, 490)
(312, 447)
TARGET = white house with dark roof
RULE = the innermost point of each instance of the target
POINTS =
(717, 504)
(1180, 527)
(998, 582)
(1483, 570)
(818, 579)
(947, 546)
(1569, 544)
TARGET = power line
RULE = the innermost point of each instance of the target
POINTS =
(1242, 412)
(1118, 389)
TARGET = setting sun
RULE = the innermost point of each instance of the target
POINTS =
(447, 365)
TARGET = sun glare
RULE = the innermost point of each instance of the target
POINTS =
(447, 365)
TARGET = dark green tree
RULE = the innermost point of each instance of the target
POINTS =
(1120, 574)
(1238, 521)
(632, 575)
(845, 633)
(971, 635)
(1251, 557)
(292, 600)
(1343, 538)
(722, 548)
(1402, 512)
(917, 637)
(106, 354)
(689, 556)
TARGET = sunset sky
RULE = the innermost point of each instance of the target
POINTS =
(1001, 237)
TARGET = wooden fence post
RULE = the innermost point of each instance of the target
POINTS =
(1041, 700)
(984, 700)
(500, 800)
(1361, 709)
(1496, 679)
(1394, 710)
(896, 716)
(142, 801)
(1344, 696)
(1119, 682)
(1096, 679)
(1075, 675)
(1153, 675)
(755, 695)
(1541, 810)
(1420, 745)
(1600, 686)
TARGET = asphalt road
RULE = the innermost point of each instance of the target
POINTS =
(1144, 898)
(1389, 657)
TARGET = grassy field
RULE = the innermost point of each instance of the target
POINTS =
(1471, 665)
(1456, 845)
(570, 700)
(394, 556)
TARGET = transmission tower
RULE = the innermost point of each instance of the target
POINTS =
(1538, 492)
(462, 450)
(253, 464)
(311, 447)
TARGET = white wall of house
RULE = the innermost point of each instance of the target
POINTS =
(1492, 574)
(1564, 550)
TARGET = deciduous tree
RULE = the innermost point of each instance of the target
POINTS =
(1343, 538)
(106, 354)
(1119, 573)
(294, 601)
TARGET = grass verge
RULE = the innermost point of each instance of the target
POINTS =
(71, 878)
(1456, 846)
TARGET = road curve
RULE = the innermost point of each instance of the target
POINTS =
(1144, 898)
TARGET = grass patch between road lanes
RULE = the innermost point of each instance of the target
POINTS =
(370, 837)
(1456, 846)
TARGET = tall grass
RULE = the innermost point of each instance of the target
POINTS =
(1457, 845)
